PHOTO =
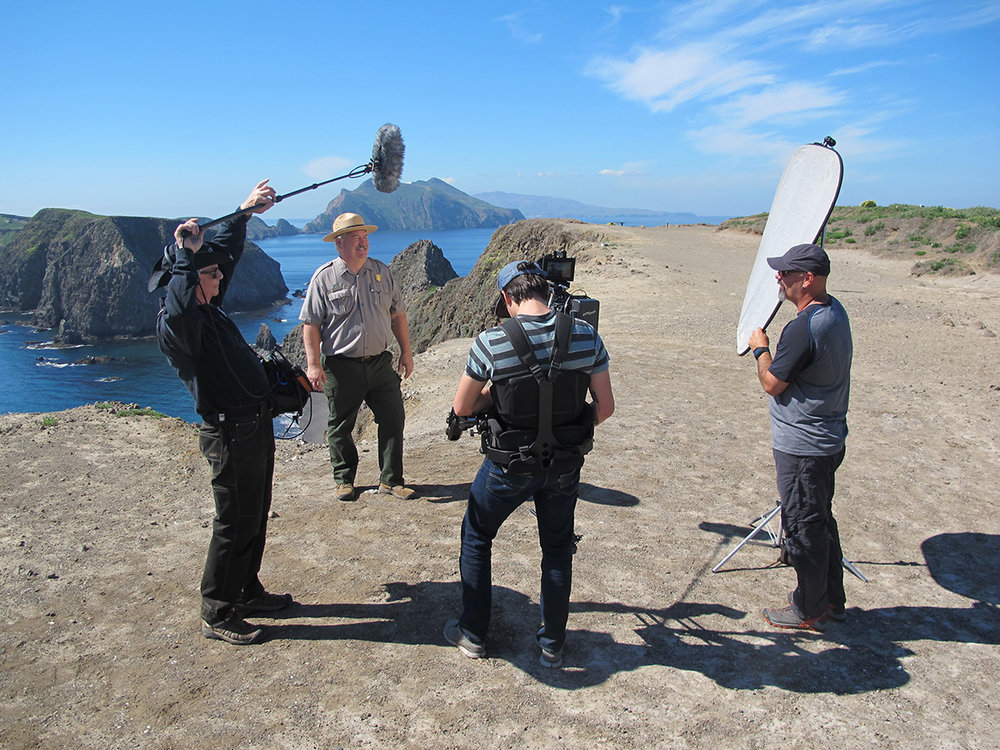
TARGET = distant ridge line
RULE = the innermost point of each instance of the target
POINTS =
(542, 206)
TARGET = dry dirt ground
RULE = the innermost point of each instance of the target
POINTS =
(105, 521)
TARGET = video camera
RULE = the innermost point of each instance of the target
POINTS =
(560, 270)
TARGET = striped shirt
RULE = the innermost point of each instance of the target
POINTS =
(492, 356)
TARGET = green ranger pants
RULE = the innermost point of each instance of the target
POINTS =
(349, 383)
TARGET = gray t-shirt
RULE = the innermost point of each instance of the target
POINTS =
(352, 311)
(814, 357)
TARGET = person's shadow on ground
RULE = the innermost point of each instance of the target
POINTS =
(866, 653)
(452, 493)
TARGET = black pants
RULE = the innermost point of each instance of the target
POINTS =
(812, 541)
(240, 451)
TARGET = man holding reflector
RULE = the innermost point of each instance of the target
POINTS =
(808, 379)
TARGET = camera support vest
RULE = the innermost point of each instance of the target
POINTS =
(542, 421)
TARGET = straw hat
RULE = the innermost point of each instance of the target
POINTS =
(348, 223)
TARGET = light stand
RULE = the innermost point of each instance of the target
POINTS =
(762, 523)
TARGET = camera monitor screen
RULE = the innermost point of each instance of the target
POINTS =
(560, 269)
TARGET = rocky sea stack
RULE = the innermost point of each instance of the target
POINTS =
(86, 274)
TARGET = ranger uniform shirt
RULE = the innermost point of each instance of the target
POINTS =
(353, 311)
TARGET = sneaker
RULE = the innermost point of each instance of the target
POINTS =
(837, 612)
(235, 630)
(551, 659)
(344, 492)
(454, 634)
(398, 491)
(264, 603)
(786, 618)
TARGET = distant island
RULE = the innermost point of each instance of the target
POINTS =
(541, 206)
(258, 229)
(427, 204)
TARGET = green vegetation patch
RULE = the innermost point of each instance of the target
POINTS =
(982, 215)
(961, 247)
(128, 410)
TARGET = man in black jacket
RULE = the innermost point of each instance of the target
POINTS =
(231, 391)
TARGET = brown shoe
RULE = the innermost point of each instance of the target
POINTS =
(398, 491)
(235, 630)
(344, 492)
(264, 602)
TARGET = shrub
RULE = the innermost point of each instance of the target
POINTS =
(961, 247)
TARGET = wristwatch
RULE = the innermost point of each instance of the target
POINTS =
(760, 350)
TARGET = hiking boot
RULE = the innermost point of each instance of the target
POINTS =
(398, 491)
(454, 634)
(786, 618)
(264, 602)
(837, 612)
(344, 492)
(235, 630)
(551, 659)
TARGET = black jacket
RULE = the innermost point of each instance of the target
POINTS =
(210, 355)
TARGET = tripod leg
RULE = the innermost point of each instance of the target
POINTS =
(849, 567)
(756, 530)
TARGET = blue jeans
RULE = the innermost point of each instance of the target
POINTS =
(493, 497)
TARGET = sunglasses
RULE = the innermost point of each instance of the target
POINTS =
(215, 273)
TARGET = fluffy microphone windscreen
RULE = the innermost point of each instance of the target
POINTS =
(387, 158)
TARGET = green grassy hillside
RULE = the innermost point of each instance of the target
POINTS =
(938, 239)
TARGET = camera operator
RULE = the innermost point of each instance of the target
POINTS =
(534, 448)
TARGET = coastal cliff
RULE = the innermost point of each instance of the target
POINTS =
(465, 305)
(427, 204)
(86, 274)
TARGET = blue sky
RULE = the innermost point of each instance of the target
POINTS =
(177, 109)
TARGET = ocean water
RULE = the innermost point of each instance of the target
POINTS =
(42, 378)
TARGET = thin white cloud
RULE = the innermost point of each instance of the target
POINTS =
(788, 103)
(518, 29)
(746, 74)
(326, 167)
(865, 67)
(665, 79)
(632, 169)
